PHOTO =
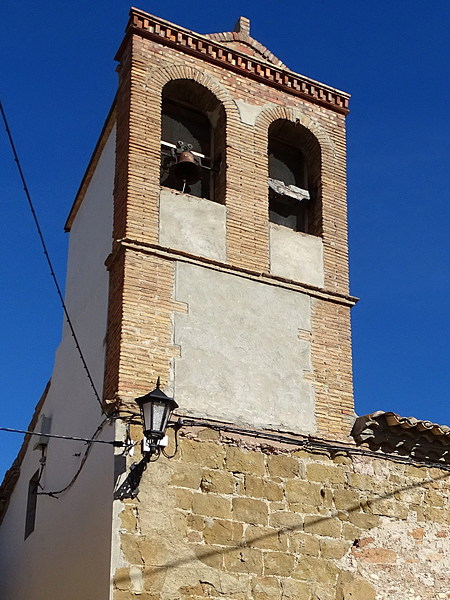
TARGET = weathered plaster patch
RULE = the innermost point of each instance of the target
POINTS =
(249, 112)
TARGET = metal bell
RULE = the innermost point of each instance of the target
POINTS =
(187, 168)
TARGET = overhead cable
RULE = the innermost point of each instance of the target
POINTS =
(115, 443)
(47, 256)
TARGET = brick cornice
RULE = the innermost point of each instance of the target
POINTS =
(168, 34)
(177, 255)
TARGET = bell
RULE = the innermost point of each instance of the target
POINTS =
(187, 168)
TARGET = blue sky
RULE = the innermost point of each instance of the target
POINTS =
(58, 81)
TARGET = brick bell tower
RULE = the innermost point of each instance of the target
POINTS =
(232, 288)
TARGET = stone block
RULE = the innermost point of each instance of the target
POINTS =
(281, 465)
(244, 560)
(266, 588)
(278, 563)
(186, 475)
(303, 492)
(250, 511)
(387, 507)
(333, 549)
(191, 590)
(223, 532)
(254, 486)
(155, 550)
(294, 589)
(245, 461)
(130, 549)
(342, 459)
(363, 520)
(350, 531)
(435, 515)
(325, 473)
(258, 487)
(322, 592)
(362, 482)
(346, 499)
(211, 506)
(304, 543)
(316, 570)
(354, 587)
(303, 454)
(206, 454)
(183, 498)
(128, 519)
(265, 538)
(195, 522)
(208, 434)
(212, 556)
(418, 472)
(326, 526)
(272, 491)
(122, 579)
(219, 482)
(286, 520)
(433, 498)
(304, 508)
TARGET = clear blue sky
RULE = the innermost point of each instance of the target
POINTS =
(58, 81)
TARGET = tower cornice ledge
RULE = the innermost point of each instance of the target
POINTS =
(192, 43)
(179, 255)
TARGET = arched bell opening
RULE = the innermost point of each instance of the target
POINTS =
(294, 177)
(192, 140)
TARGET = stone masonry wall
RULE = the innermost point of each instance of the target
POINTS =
(232, 518)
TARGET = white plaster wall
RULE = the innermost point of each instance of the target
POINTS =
(193, 225)
(68, 554)
(242, 360)
(296, 255)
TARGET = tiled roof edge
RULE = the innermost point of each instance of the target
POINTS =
(404, 436)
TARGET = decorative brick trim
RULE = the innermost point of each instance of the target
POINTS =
(163, 75)
(187, 41)
(271, 114)
(243, 36)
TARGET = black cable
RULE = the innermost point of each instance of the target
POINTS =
(115, 443)
(311, 443)
(55, 494)
(49, 262)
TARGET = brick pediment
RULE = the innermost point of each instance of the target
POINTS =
(240, 39)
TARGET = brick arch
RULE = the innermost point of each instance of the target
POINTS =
(319, 149)
(164, 75)
(269, 115)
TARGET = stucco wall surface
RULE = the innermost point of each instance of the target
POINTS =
(230, 518)
(242, 359)
(67, 554)
(296, 255)
(194, 225)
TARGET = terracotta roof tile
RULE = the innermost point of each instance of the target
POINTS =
(405, 436)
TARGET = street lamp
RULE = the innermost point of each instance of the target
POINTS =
(156, 410)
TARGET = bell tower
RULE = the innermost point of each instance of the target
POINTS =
(229, 267)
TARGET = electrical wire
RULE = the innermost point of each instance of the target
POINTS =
(55, 494)
(115, 443)
(49, 262)
(313, 444)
